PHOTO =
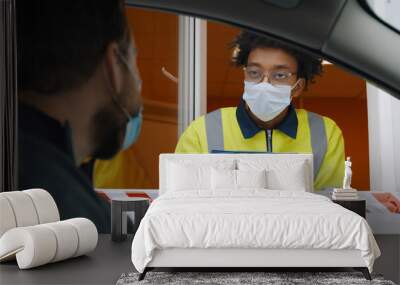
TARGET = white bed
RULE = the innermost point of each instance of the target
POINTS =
(202, 220)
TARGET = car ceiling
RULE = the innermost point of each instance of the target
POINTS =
(341, 31)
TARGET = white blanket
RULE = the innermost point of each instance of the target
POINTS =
(250, 219)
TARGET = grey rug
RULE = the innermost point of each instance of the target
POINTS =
(243, 278)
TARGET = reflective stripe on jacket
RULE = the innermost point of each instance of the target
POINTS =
(219, 130)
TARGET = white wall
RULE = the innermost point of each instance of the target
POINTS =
(384, 140)
(384, 119)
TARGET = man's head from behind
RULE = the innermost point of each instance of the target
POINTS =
(77, 63)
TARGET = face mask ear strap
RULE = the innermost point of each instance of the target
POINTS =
(294, 86)
(113, 98)
(127, 115)
(123, 59)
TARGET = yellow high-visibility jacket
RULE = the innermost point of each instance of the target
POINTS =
(232, 129)
(121, 172)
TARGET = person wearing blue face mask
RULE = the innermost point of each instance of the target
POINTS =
(265, 119)
(123, 170)
(79, 97)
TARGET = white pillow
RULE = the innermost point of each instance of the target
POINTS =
(227, 179)
(282, 174)
(291, 179)
(184, 174)
(183, 178)
(223, 179)
(251, 178)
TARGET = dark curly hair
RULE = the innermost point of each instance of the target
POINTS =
(245, 42)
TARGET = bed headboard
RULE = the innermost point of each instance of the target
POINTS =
(210, 159)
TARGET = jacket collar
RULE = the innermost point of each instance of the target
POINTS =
(249, 128)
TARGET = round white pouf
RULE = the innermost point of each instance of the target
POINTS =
(33, 246)
(45, 205)
(7, 218)
(67, 240)
(40, 244)
(87, 234)
(23, 208)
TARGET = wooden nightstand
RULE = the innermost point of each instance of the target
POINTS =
(357, 206)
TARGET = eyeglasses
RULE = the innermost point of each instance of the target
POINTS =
(276, 77)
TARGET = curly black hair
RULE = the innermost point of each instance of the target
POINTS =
(245, 42)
